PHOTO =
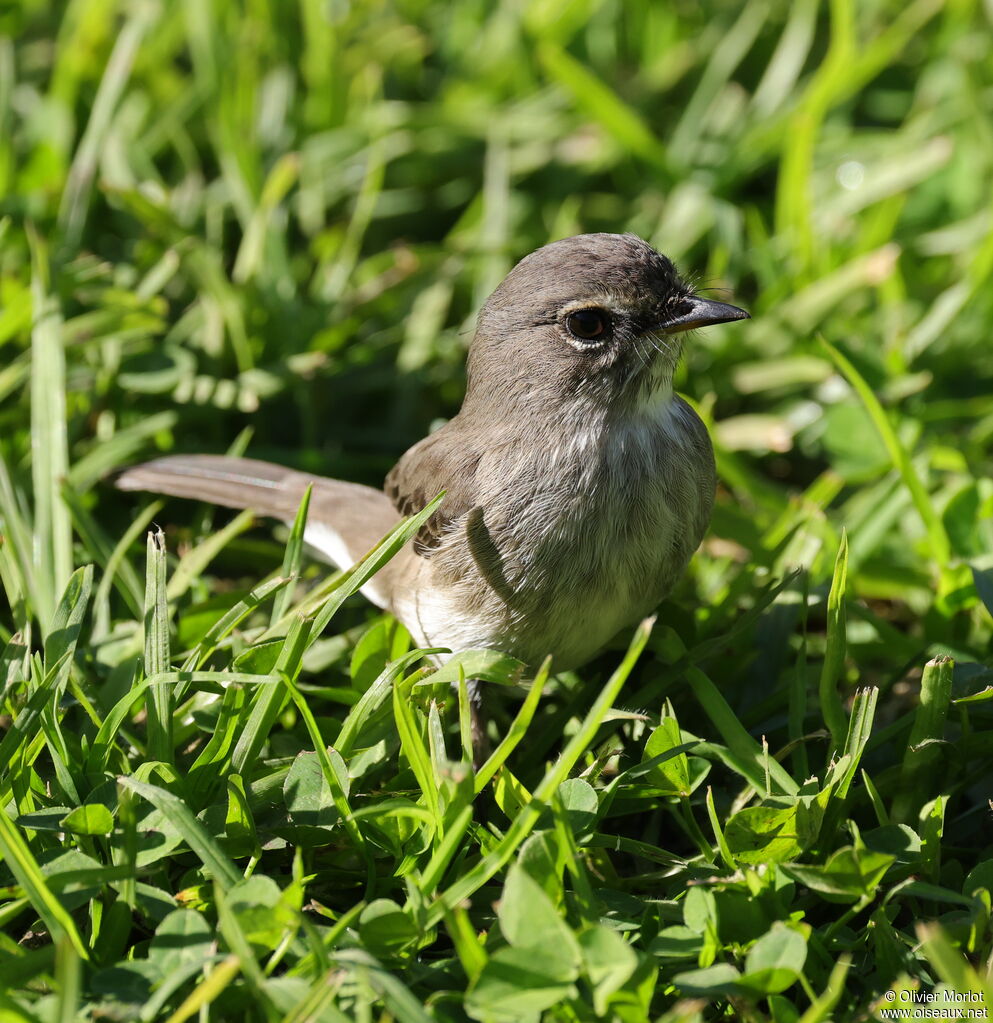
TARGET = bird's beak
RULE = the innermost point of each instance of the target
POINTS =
(701, 312)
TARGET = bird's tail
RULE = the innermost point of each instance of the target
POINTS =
(344, 522)
(233, 482)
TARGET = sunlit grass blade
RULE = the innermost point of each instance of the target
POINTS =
(373, 698)
(232, 618)
(517, 731)
(68, 979)
(465, 717)
(158, 704)
(361, 572)
(67, 622)
(250, 260)
(721, 65)
(217, 980)
(821, 1008)
(784, 66)
(267, 701)
(832, 708)
(603, 105)
(798, 686)
(49, 444)
(208, 770)
(292, 557)
(859, 731)
(124, 446)
(79, 184)
(413, 746)
(953, 968)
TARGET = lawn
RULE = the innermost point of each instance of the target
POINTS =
(231, 789)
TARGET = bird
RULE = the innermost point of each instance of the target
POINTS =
(577, 483)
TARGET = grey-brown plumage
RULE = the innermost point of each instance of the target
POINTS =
(578, 485)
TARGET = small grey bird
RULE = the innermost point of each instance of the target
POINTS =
(578, 484)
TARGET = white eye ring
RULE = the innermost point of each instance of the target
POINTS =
(588, 327)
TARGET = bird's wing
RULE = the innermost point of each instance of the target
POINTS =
(345, 520)
(442, 461)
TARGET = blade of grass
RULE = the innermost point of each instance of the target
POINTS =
(372, 698)
(266, 703)
(859, 731)
(124, 446)
(798, 688)
(414, 748)
(79, 184)
(526, 819)
(16, 553)
(465, 718)
(196, 836)
(68, 978)
(445, 850)
(208, 770)
(832, 709)
(67, 622)
(101, 601)
(22, 864)
(49, 443)
(603, 105)
(158, 704)
(292, 557)
(821, 1009)
(952, 967)
(332, 775)
(214, 984)
(924, 751)
(362, 571)
(516, 732)
(231, 619)
(725, 850)
(748, 754)
(938, 540)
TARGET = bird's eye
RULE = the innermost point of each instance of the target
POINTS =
(588, 324)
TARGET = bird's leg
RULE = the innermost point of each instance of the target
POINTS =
(477, 721)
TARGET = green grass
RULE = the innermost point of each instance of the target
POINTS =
(230, 789)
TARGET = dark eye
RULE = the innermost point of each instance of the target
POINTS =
(588, 324)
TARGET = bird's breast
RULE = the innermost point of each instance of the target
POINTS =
(571, 541)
